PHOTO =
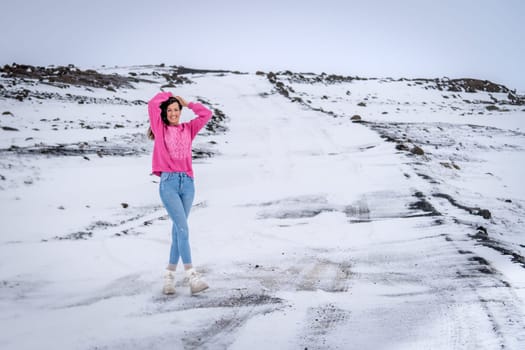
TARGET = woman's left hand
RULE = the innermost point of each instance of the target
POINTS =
(182, 101)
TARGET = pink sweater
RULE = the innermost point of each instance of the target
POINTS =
(172, 147)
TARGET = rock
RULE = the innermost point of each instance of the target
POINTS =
(402, 147)
(485, 213)
(355, 118)
(167, 86)
(260, 73)
(8, 128)
(124, 205)
(271, 77)
(7, 113)
(492, 108)
(417, 151)
(361, 104)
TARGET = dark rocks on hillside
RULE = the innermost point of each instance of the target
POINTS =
(167, 86)
(77, 149)
(175, 78)
(218, 119)
(310, 78)
(483, 237)
(198, 153)
(179, 70)
(417, 151)
(75, 236)
(19, 95)
(23, 94)
(69, 75)
(473, 85)
(468, 85)
(451, 165)
(355, 118)
(423, 205)
(8, 128)
(282, 90)
(217, 123)
(402, 147)
(485, 213)
(279, 85)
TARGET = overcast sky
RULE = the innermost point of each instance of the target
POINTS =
(482, 39)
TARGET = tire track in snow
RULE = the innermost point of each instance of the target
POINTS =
(413, 290)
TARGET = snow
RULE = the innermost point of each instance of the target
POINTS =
(304, 224)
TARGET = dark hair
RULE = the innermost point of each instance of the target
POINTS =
(150, 134)
(164, 108)
(164, 114)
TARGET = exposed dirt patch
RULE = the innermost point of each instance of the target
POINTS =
(75, 149)
(483, 238)
(321, 321)
(485, 213)
(423, 205)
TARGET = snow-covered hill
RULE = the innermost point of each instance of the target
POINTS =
(331, 212)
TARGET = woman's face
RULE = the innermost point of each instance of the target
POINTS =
(173, 113)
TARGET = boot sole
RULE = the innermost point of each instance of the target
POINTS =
(168, 292)
(200, 290)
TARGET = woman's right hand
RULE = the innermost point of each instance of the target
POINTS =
(182, 101)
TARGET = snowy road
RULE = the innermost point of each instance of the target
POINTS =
(312, 231)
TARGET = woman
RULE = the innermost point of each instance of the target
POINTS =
(172, 161)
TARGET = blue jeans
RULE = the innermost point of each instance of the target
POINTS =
(177, 191)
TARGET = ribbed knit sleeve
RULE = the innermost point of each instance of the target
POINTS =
(154, 111)
(203, 116)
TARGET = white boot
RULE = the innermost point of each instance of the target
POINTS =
(196, 284)
(169, 282)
